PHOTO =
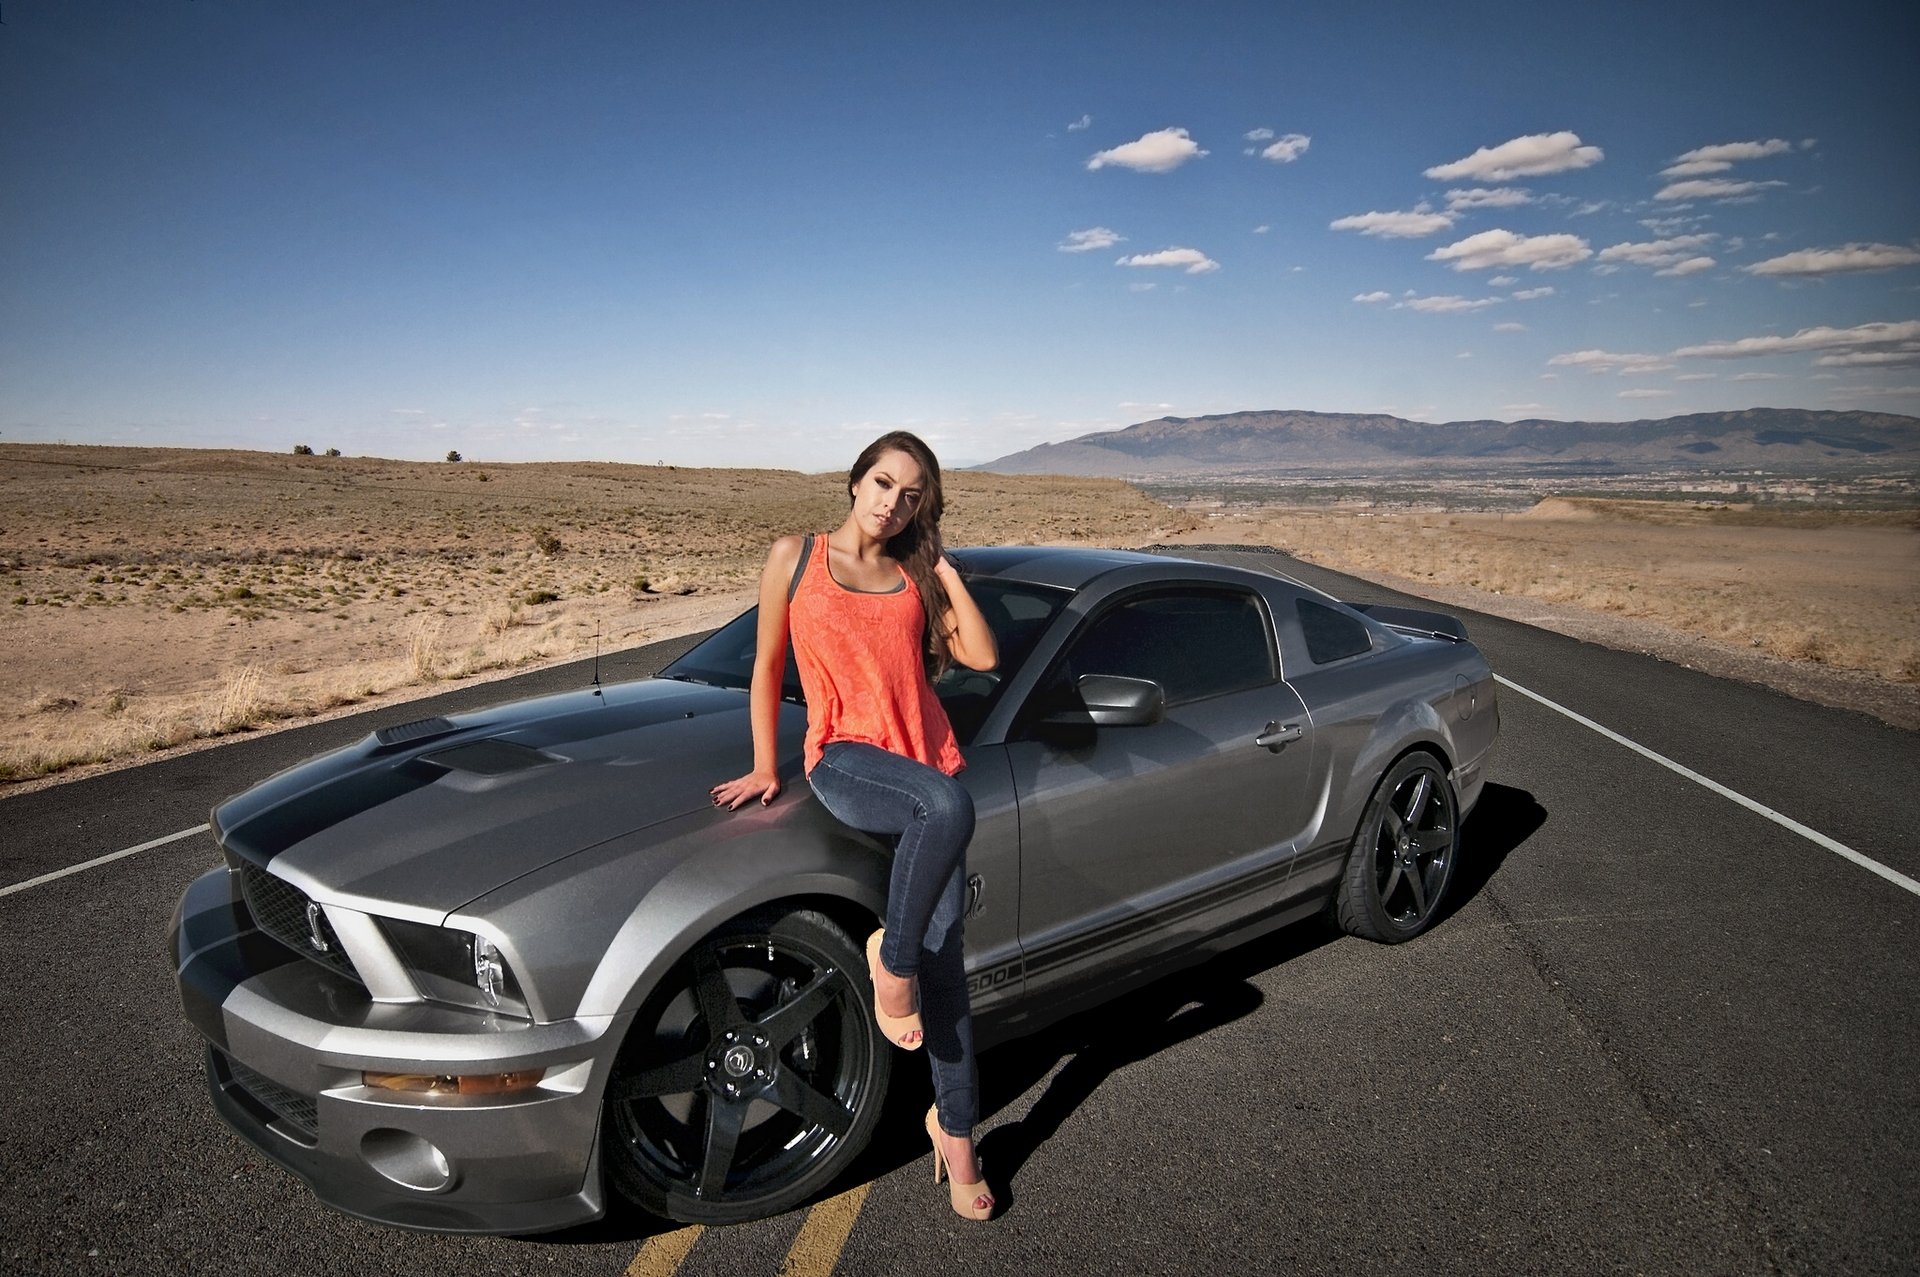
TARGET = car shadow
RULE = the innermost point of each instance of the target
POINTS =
(1502, 820)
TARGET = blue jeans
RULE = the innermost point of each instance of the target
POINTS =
(931, 813)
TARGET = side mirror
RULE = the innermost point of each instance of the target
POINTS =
(1109, 700)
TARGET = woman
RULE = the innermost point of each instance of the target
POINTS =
(875, 610)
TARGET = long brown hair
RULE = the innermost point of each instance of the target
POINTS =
(916, 547)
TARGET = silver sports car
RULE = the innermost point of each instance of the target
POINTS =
(470, 972)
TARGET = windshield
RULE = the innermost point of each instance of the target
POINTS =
(1017, 612)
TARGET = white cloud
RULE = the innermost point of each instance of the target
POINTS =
(1595, 361)
(1862, 337)
(1718, 159)
(1509, 327)
(1523, 407)
(1695, 376)
(1445, 304)
(1159, 152)
(1672, 225)
(1502, 281)
(1142, 288)
(1658, 252)
(1487, 197)
(1262, 229)
(1644, 392)
(1088, 240)
(1907, 354)
(1533, 294)
(1375, 296)
(1287, 149)
(1394, 225)
(1711, 188)
(1530, 156)
(1081, 124)
(1833, 261)
(1692, 266)
(1193, 260)
(1505, 248)
(1758, 376)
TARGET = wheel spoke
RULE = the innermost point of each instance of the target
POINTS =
(717, 1003)
(724, 1123)
(1434, 842)
(797, 1097)
(1419, 885)
(673, 1078)
(785, 1022)
(1393, 826)
(1393, 881)
(1417, 803)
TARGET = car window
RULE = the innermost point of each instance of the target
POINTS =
(1016, 612)
(1331, 635)
(1195, 643)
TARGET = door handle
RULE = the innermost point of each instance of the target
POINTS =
(1276, 735)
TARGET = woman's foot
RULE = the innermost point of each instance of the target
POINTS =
(955, 1158)
(896, 999)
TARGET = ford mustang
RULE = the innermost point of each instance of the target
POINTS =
(476, 973)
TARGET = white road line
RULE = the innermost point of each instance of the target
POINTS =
(1868, 863)
(102, 860)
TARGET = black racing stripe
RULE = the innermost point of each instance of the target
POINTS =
(283, 824)
(1121, 931)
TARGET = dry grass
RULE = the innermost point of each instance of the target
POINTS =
(150, 598)
(1836, 589)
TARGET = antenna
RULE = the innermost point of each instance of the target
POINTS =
(596, 655)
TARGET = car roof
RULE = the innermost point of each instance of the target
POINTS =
(1069, 567)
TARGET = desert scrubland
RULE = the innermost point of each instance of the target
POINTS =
(1822, 603)
(154, 598)
(151, 598)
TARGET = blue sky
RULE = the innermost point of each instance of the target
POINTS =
(758, 234)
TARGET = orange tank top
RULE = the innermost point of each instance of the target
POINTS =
(860, 664)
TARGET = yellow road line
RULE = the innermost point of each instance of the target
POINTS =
(663, 1254)
(817, 1249)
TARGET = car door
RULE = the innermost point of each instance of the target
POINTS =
(1139, 841)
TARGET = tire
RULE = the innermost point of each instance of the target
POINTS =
(1403, 854)
(751, 1076)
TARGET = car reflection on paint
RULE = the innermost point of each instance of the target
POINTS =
(472, 973)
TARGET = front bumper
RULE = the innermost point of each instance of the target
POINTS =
(288, 1041)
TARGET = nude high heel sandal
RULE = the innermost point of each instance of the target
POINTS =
(970, 1201)
(903, 1031)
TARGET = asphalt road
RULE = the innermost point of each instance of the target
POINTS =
(1659, 1033)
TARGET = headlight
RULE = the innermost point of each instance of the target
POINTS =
(456, 966)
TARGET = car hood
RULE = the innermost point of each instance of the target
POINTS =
(419, 819)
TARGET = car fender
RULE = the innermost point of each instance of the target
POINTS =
(702, 893)
(636, 903)
(1404, 725)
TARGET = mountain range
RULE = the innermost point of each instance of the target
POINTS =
(1790, 439)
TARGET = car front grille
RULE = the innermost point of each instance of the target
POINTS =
(285, 912)
(297, 1110)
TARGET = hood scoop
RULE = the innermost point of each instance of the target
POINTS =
(387, 738)
(490, 758)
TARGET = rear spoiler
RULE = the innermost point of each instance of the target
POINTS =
(1436, 624)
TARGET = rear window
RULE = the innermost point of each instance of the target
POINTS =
(1331, 635)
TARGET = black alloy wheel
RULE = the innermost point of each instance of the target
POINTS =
(1403, 854)
(751, 1077)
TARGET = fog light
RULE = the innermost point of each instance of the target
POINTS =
(406, 1159)
(456, 1084)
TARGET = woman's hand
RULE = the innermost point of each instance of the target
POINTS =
(730, 794)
